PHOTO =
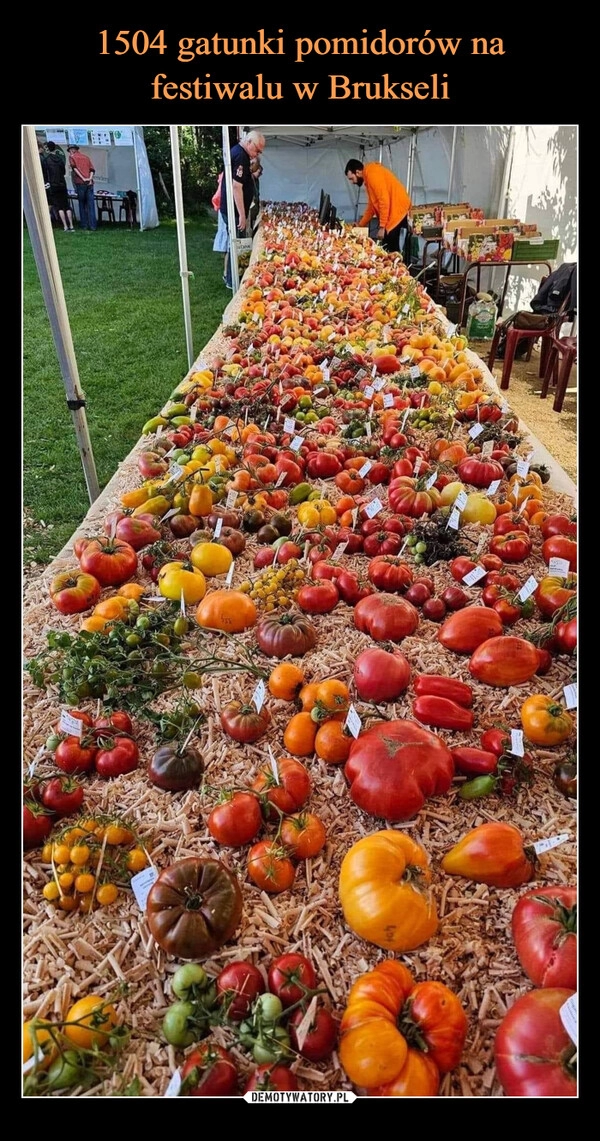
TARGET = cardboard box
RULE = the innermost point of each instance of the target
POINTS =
(493, 246)
(535, 249)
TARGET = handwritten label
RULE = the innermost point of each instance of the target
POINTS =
(176, 471)
(280, 479)
(454, 520)
(528, 588)
(289, 424)
(432, 477)
(388, 400)
(474, 575)
(494, 485)
(69, 724)
(404, 419)
(174, 1085)
(141, 884)
(487, 448)
(415, 372)
(353, 722)
(570, 692)
(461, 500)
(373, 508)
(361, 374)
(516, 743)
(540, 846)
(296, 443)
(229, 578)
(475, 431)
(259, 695)
(568, 1017)
(218, 527)
(369, 392)
(273, 764)
(339, 550)
(231, 499)
(558, 567)
(365, 468)
(522, 468)
(379, 384)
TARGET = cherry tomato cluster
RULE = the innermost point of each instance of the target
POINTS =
(91, 861)
(106, 745)
(275, 1021)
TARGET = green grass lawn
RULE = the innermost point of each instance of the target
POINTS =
(124, 300)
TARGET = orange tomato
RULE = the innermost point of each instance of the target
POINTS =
(132, 590)
(333, 695)
(332, 742)
(299, 735)
(308, 696)
(286, 681)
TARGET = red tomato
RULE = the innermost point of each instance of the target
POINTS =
(381, 676)
(269, 867)
(242, 722)
(119, 720)
(111, 561)
(287, 792)
(512, 547)
(237, 820)
(72, 756)
(303, 834)
(272, 1077)
(62, 795)
(560, 547)
(37, 825)
(119, 755)
(71, 591)
(559, 525)
(238, 984)
(322, 1035)
(534, 1055)
(386, 617)
(544, 929)
(319, 598)
(209, 1071)
(292, 977)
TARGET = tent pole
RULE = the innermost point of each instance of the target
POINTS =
(504, 188)
(411, 160)
(44, 250)
(453, 152)
(137, 179)
(183, 269)
(233, 253)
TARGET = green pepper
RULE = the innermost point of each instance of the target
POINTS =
(300, 493)
(480, 786)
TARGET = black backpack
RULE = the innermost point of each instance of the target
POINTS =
(554, 291)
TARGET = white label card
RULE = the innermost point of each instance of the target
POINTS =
(174, 1085)
(522, 468)
(487, 448)
(417, 465)
(374, 370)
(474, 576)
(259, 695)
(406, 308)
(475, 431)
(229, 579)
(568, 1017)
(454, 520)
(361, 374)
(415, 372)
(218, 527)
(273, 763)
(461, 500)
(369, 392)
(404, 419)
(362, 471)
(141, 884)
(231, 499)
(558, 567)
(368, 429)
(354, 517)
(516, 743)
(296, 443)
(528, 588)
(540, 846)
(289, 424)
(175, 471)
(431, 480)
(373, 508)
(182, 603)
(306, 550)
(570, 692)
(353, 722)
(280, 479)
(170, 513)
(388, 400)
(339, 550)
(71, 725)
(494, 485)
(379, 384)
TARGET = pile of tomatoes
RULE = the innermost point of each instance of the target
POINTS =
(92, 860)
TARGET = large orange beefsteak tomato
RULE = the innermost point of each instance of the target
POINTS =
(385, 891)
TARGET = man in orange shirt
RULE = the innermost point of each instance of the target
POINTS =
(82, 174)
(389, 200)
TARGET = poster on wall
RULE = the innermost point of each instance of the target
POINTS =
(123, 137)
(58, 137)
(78, 136)
(100, 138)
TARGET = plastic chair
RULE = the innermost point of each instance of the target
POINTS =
(562, 355)
(514, 334)
(128, 207)
(105, 206)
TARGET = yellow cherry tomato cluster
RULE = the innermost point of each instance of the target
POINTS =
(276, 587)
(91, 861)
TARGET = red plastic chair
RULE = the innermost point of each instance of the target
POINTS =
(515, 334)
(562, 355)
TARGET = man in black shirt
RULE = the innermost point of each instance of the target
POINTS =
(249, 147)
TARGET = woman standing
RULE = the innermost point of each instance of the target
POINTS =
(54, 168)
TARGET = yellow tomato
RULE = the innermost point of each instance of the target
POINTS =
(217, 447)
(201, 453)
(478, 509)
(37, 1040)
(434, 387)
(450, 491)
(94, 1019)
(316, 512)
(174, 581)
(211, 558)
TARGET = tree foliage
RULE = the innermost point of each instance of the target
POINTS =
(201, 156)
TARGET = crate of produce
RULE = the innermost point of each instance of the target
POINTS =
(535, 249)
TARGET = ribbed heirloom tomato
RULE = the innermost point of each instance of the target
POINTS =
(287, 791)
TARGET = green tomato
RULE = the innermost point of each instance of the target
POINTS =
(322, 412)
(186, 977)
(269, 1006)
(305, 402)
(175, 1024)
(301, 416)
(180, 626)
(420, 547)
(192, 680)
(479, 786)
(65, 1071)
(272, 1047)
(311, 418)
